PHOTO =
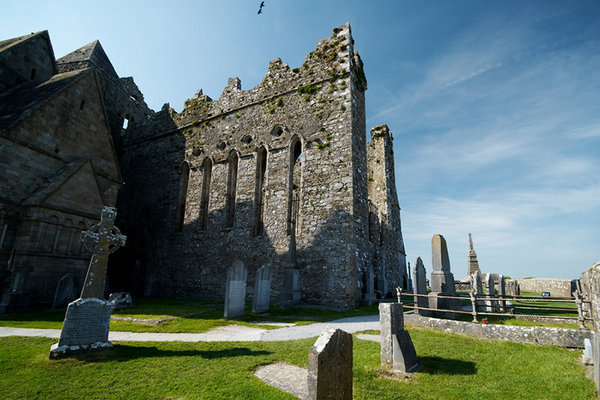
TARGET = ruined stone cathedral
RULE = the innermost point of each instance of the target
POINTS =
(221, 181)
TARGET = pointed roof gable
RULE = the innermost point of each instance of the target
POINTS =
(18, 103)
(73, 187)
(90, 55)
(6, 44)
(26, 58)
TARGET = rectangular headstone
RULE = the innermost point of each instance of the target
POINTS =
(290, 292)
(85, 327)
(442, 280)
(235, 290)
(262, 290)
(330, 366)
(491, 292)
(391, 321)
(420, 283)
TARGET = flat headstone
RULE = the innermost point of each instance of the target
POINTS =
(330, 366)
(286, 377)
(85, 327)
(262, 289)
(235, 290)
(66, 291)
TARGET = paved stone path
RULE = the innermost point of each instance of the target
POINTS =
(229, 333)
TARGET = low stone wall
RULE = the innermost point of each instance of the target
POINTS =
(556, 287)
(562, 337)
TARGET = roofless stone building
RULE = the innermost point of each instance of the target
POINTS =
(229, 179)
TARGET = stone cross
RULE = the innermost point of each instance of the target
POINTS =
(101, 239)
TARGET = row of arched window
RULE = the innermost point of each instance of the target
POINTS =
(294, 185)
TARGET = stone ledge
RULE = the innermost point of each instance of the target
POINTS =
(562, 337)
(57, 351)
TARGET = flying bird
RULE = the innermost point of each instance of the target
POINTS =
(262, 4)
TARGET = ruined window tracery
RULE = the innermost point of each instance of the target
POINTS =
(259, 190)
(231, 189)
(183, 187)
(204, 200)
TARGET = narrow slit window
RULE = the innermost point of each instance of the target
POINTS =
(183, 187)
(295, 183)
(204, 199)
(259, 191)
(231, 190)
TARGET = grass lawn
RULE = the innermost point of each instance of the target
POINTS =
(454, 367)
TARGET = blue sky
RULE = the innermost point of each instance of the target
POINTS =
(494, 105)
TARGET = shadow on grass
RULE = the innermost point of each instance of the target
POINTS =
(124, 353)
(447, 366)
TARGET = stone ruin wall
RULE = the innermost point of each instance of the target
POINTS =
(556, 287)
(183, 249)
(384, 213)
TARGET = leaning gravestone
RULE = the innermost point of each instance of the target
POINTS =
(442, 280)
(262, 289)
(396, 345)
(66, 291)
(330, 366)
(420, 279)
(235, 290)
(88, 318)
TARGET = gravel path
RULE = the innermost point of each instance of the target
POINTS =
(229, 333)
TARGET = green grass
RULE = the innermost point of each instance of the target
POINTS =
(190, 316)
(454, 367)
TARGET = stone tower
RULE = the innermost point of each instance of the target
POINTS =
(473, 263)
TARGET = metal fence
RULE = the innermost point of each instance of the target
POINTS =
(508, 306)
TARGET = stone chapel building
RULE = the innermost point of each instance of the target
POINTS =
(229, 179)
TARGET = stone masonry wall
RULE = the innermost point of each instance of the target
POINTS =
(49, 208)
(556, 287)
(387, 240)
(308, 119)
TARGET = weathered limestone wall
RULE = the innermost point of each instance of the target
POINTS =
(556, 287)
(186, 219)
(388, 244)
(61, 171)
